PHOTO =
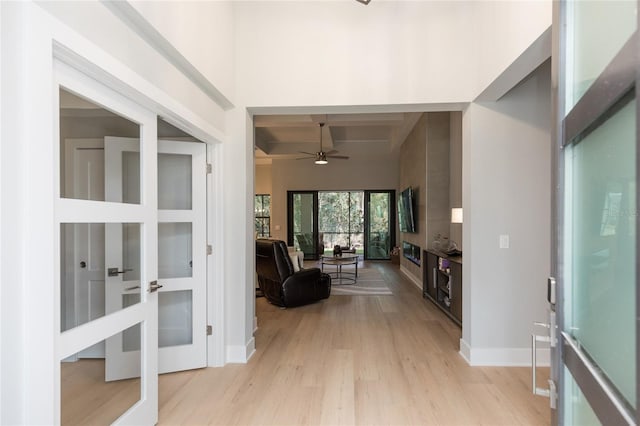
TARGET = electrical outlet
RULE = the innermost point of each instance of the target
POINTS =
(504, 241)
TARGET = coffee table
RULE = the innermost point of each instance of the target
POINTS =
(342, 277)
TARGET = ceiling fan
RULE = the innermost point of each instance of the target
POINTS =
(321, 156)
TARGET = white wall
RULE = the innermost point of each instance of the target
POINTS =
(203, 33)
(502, 31)
(390, 52)
(263, 179)
(343, 53)
(239, 242)
(94, 21)
(506, 191)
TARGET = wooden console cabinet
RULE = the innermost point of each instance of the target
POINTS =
(442, 283)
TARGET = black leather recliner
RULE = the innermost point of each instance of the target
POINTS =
(278, 281)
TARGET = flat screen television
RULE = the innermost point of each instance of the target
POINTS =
(406, 211)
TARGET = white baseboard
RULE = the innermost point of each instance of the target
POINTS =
(503, 357)
(411, 277)
(237, 354)
(255, 324)
(465, 351)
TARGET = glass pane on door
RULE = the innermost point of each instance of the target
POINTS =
(600, 309)
(379, 226)
(175, 324)
(174, 178)
(84, 271)
(599, 30)
(577, 409)
(83, 128)
(341, 220)
(175, 250)
(87, 397)
(303, 224)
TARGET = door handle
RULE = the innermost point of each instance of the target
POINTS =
(534, 339)
(113, 272)
(551, 392)
(154, 286)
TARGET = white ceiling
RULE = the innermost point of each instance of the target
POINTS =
(285, 136)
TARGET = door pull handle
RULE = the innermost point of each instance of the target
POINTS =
(534, 339)
(551, 392)
(113, 272)
(154, 286)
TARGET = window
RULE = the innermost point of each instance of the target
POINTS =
(262, 213)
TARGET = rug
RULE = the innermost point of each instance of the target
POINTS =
(370, 283)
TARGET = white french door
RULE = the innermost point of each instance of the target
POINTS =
(181, 255)
(135, 222)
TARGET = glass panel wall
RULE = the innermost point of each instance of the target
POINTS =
(379, 224)
(302, 223)
(341, 220)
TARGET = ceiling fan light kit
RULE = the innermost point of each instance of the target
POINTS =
(321, 156)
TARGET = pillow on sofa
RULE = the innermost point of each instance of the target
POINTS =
(294, 260)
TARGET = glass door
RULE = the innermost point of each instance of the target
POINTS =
(379, 224)
(594, 361)
(181, 178)
(89, 218)
(341, 220)
(302, 224)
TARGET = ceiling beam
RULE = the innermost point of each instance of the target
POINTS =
(399, 134)
(327, 139)
(283, 120)
(260, 140)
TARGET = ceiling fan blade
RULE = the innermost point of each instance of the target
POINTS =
(333, 151)
(305, 158)
(338, 157)
(308, 153)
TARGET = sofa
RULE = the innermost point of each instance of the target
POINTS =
(280, 283)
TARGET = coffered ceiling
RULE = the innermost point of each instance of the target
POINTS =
(284, 136)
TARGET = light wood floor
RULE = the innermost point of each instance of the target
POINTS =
(366, 360)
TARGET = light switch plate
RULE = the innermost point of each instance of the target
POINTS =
(504, 241)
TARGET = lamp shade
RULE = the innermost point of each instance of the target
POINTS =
(456, 215)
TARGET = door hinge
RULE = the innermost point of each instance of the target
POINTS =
(209, 330)
(209, 168)
(209, 249)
